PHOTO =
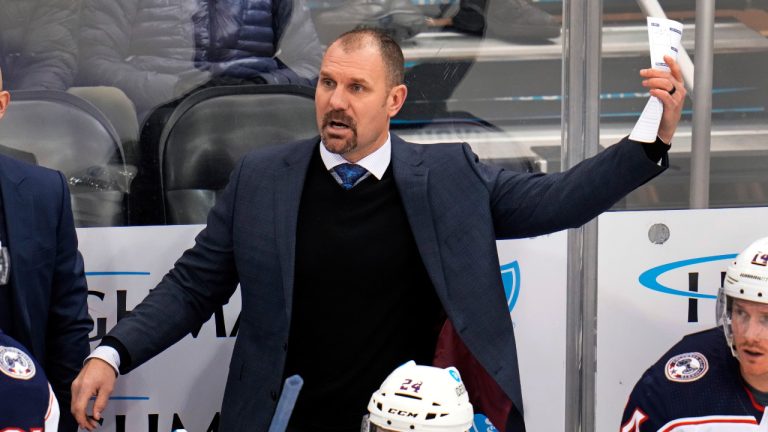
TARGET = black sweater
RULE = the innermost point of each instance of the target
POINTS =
(363, 303)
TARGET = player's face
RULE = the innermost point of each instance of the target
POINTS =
(354, 101)
(749, 321)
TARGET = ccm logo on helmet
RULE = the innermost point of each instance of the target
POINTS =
(402, 413)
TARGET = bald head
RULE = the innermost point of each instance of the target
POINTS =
(391, 54)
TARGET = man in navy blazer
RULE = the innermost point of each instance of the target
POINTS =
(347, 272)
(43, 305)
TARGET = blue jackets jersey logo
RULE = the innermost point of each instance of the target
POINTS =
(15, 363)
(686, 367)
(28, 403)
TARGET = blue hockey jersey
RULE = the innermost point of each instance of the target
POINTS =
(27, 403)
(695, 387)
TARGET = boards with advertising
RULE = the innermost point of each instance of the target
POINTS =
(184, 385)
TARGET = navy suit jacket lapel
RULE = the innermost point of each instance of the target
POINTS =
(412, 179)
(289, 183)
(19, 216)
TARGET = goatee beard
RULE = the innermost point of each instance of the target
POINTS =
(349, 145)
(341, 117)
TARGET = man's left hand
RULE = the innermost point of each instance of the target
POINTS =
(669, 88)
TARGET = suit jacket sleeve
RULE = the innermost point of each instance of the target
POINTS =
(527, 205)
(201, 280)
(68, 320)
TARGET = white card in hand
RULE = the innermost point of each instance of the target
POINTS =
(664, 36)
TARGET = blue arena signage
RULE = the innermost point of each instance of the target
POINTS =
(693, 267)
(649, 278)
(510, 276)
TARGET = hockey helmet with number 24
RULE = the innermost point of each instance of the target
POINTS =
(421, 398)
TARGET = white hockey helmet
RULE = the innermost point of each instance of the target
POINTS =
(421, 398)
(746, 279)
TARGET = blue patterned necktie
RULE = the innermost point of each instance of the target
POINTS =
(349, 174)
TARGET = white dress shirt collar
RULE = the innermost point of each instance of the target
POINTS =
(376, 163)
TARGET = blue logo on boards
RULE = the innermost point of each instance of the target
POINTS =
(510, 276)
(117, 273)
(649, 278)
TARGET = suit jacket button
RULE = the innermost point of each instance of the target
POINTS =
(285, 346)
(273, 395)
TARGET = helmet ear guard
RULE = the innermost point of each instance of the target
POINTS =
(421, 398)
(746, 279)
(723, 315)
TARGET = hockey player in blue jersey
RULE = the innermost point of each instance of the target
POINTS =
(28, 403)
(715, 380)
